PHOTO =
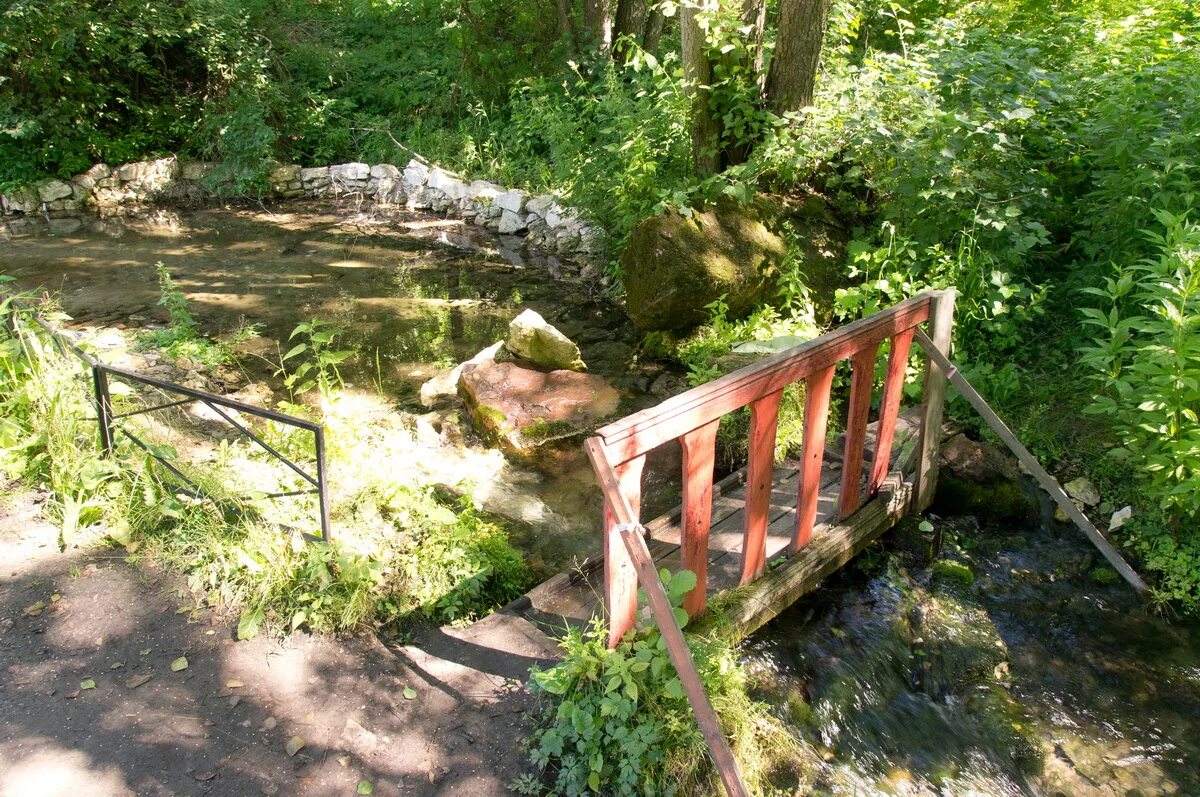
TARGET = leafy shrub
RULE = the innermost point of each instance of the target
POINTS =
(617, 721)
(1146, 359)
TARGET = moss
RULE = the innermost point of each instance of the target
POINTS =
(1105, 576)
(542, 430)
(999, 501)
(952, 574)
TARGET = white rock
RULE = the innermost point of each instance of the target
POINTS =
(349, 172)
(447, 183)
(415, 174)
(315, 174)
(510, 223)
(381, 171)
(482, 189)
(1083, 491)
(1120, 517)
(540, 205)
(513, 201)
(53, 189)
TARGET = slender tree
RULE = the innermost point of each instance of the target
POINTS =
(793, 76)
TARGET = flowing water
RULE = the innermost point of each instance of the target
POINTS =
(986, 661)
(963, 661)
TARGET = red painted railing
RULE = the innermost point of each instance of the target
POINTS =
(618, 455)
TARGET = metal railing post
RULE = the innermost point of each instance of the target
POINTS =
(322, 486)
(103, 408)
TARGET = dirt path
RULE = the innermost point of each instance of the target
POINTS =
(221, 726)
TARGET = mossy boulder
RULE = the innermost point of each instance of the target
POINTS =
(533, 416)
(675, 264)
(532, 339)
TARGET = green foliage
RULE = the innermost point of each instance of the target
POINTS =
(318, 366)
(437, 560)
(1146, 358)
(181, 340)
(45, 438)
(617, 721)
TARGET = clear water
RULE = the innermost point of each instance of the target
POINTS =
(1034, 680)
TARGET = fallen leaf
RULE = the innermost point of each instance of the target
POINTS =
(365, 787)
(55, 598)
(269, 724)
(180, 663)
(204, 776)
(87, 683)
(72, 695)
(116, 665)
(145, 651)
(35, 609)
(233, 701)
(234, 683)
(136, 681)
(294, 745)
(409, 693)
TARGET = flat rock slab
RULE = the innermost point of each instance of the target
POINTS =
(528, 414)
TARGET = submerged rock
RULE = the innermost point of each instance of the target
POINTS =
(531, 415)
(532, 338)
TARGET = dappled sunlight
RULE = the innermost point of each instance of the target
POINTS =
(54, 771)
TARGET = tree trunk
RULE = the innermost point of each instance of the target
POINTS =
(697, 75)
(654, 30)
(793, 74)
(754, 16)
(566, 30)
(598, 22)
(631, 22)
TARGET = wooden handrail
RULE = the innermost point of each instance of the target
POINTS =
(618, 455)
(643, 431)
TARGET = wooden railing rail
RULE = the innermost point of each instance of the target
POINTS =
(618, 454)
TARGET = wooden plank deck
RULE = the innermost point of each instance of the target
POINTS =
(576, 597)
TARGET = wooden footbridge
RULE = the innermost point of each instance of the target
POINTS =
(771, 532)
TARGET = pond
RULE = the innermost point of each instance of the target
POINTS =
(412, 294)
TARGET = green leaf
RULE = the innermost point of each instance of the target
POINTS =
(409, 693)
(180, 664)
(365, 787)
(250, 623)
(87, 683)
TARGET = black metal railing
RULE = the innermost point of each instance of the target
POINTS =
(108, 427)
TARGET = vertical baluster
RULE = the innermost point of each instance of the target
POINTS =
(620, 577)
(893, 389)
(760, 473)
(861, 386)
(699, 448)
(941, 324)
(816, 416)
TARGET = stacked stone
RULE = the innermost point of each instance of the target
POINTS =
(418, 186)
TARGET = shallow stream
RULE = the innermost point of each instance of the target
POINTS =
(986, 661)
(966, 660)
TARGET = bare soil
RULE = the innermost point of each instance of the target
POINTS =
(222, 725)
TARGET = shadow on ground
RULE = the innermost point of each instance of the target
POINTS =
(221, 726)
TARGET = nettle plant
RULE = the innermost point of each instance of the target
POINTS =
(318, 364)
(1145, 355)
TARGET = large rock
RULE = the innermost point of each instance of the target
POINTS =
(531, 338)
(675, 265)
(977, 462)
(534, 416)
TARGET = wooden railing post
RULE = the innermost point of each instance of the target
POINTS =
(816, 416)
(620, 577)
(699, 450)
(760, 476)
(862, 384)
(889, 407)
(941, 325)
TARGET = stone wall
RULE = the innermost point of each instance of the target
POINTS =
(417, 186)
